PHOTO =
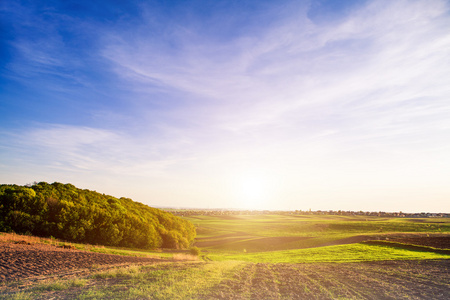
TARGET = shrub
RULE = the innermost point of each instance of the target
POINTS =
(195, 251)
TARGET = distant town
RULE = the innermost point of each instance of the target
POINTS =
(216, 212)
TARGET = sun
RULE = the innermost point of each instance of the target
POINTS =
(251, 191)
(252, 188)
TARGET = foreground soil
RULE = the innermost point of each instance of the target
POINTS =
(373, 280)
(22, 260)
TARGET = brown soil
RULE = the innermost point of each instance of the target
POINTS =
(374, 280)
(252, 243)
(23, 260)
(440, 242)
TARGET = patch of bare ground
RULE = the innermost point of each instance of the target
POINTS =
(440, 241)
(253, 243)
(373, 280)
(19, 261)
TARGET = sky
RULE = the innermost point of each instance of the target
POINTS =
(277, 105)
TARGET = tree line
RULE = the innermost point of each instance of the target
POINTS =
(79, 215)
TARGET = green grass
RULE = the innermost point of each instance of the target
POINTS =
(177, 281)
(282, 225)
(186, 280)
(132, 252)
(236, 233)
(118, 272)
(18, 296)
(59, 285)
(53, 286)
(306, 239)
(338, 254)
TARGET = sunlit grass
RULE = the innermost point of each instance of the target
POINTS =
(18, 296)
(59, 285)
(182, 281)
(238, 232)
(132, 252)
(282, 225)
(337, 254)
(14, 238)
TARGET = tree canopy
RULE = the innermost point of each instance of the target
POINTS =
(67, 212)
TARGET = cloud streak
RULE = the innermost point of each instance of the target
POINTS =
(299, 97)
(384, 62)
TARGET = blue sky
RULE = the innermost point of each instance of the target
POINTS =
(231, 104)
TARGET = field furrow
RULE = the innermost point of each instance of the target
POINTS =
(338, 281)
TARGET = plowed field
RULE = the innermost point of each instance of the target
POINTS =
(18, 261)
(374, 280)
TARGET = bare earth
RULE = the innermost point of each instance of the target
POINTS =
(374, 280)
(19, 261)
(440, 242)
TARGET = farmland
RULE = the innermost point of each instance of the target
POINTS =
(268, 257)
(259, 233)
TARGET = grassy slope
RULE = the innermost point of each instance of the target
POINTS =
(236, 233)
(341, 253)
(13, 238)
(290, 239)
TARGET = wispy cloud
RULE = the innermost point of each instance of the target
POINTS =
(313, 102)
(380, 63)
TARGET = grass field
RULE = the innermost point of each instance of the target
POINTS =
(337, 254)
(310, 239)
(249, 233)
(277, 257)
